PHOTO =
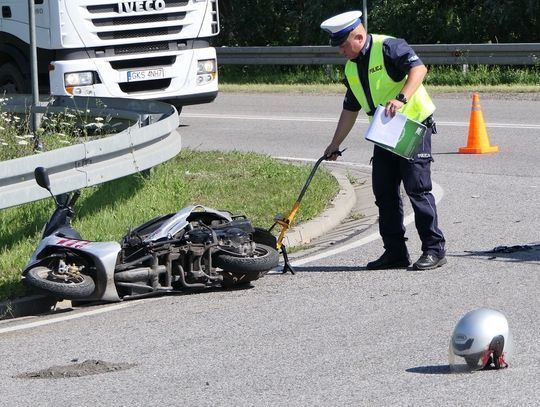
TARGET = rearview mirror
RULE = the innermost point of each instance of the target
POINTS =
(42, 178)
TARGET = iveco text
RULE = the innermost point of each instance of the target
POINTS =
(140, 5)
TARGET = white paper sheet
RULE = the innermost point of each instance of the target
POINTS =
(384, 129)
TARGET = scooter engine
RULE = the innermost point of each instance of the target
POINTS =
(198, 236)
(235, 240)
(231, 239)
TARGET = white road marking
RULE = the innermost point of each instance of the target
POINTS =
(495, 125)
(64, 317)
(334, 120)
(270, 118)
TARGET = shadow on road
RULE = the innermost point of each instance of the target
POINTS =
(434, 369)
(516, 253)
(328, 269)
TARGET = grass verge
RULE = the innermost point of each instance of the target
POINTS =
(328, 78)
(338, 88)
(243, 183)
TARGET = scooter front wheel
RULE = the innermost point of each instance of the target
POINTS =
(265, 258)
(68, 287)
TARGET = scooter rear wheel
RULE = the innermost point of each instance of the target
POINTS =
(60, 286)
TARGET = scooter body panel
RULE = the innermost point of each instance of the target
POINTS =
(176, 223)
(103, 255)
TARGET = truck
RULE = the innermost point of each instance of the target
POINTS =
(142, 49)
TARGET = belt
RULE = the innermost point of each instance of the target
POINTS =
(429, 121)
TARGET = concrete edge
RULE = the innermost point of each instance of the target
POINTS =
(24, 306)
(338, 209)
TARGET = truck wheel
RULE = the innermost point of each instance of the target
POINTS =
(12, 80)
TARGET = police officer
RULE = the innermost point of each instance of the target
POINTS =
(382, 70)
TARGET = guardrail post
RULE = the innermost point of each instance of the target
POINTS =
(36, 118)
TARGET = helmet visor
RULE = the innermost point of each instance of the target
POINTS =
(462, 363)
(461, 359)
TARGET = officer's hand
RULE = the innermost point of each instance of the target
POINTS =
(392, 107)
(332, 152)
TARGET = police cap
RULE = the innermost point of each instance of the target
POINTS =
(340, 26)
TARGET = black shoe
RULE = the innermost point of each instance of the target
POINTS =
(429, 261)
(389, 261)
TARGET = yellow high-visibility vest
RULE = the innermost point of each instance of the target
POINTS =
(382, 86)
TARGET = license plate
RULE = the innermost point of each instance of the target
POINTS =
(145, 74)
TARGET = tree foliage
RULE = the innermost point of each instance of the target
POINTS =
(296, 22)
(466, 21)
(272, 22)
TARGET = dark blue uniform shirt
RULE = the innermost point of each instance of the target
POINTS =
(399, 58)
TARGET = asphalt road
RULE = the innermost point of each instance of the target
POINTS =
(334, 334)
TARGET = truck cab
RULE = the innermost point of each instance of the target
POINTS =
(142, 49)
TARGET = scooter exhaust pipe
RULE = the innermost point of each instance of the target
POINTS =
(139, 274)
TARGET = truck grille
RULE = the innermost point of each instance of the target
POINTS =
(145, 86)
(215, 20)
(122, 35)
(155, 18)
(143, 62)
(109, 19)
(113, 7)
(140, 48)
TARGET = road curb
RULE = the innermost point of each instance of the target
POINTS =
(24, 306)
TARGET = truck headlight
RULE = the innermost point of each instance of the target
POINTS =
(206, 66)
(78, 79)
(206, 71)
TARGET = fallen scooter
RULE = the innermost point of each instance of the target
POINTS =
(193, 249)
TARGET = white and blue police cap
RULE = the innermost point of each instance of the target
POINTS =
(340, 26)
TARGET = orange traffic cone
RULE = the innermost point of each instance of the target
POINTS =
(478, 141)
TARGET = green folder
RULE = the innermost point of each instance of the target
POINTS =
(400, 135)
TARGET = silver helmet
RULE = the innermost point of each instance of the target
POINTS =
(481, 340)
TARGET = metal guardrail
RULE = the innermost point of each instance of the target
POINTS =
(433, 54)
(149, 138)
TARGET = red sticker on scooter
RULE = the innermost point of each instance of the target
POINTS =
(76, 244)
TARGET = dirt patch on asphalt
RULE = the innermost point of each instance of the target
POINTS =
(86, 368)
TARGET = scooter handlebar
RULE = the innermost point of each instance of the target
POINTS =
(74, 197)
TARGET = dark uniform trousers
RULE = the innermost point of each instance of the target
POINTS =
(389, 170)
